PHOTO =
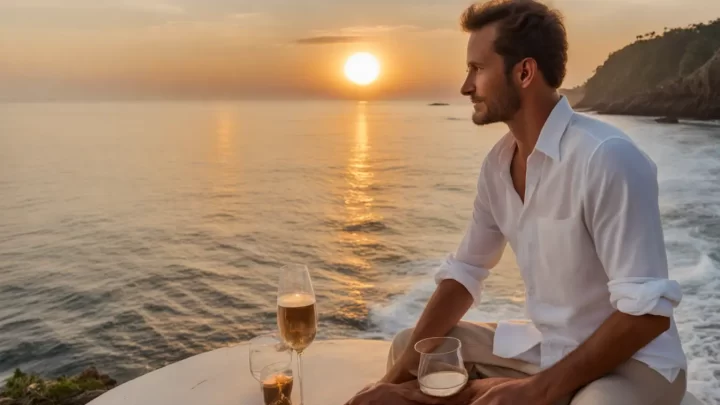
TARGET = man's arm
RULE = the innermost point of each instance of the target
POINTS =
(614, 343)
(460, 279)
(446, 307)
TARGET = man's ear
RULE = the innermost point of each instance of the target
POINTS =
(527, 70)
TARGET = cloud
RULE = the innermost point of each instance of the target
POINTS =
(163, 8)
(81, 15)
(364, 30)
(377, 29)
(354, 34)
(244, 16)
(329, 39)
(93, 5)
(237, 25)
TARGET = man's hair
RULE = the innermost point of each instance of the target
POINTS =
(526, 29)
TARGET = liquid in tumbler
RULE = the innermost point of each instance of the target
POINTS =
(277, 389)
(442, 383)
(297, 320)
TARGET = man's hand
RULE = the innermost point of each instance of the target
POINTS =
(511, 392)
(394, 394)
(398, 374)
(475, 389)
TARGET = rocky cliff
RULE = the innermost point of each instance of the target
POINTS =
(676, 74)
(695, 96)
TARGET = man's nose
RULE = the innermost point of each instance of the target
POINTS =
(468, 88)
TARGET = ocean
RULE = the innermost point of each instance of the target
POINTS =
(133, 235)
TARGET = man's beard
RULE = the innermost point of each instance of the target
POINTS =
(501, 108)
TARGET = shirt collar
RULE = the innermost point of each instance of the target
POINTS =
(552, 132)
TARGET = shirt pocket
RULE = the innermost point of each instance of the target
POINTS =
(562, 245)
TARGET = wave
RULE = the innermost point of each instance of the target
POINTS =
(366, 226)
(404, 310)
(699, 325)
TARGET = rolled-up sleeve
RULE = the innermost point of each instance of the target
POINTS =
(623, 216)
(480, 249)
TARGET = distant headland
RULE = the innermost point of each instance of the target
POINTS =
(674, 74)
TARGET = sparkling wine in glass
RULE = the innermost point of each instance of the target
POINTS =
(441, 372)
(296, 312)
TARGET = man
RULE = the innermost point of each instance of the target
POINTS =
(578, 203)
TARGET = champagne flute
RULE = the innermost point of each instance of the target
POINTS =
(441, 372)
(296, 312)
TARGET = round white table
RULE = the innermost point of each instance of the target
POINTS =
(334, 371)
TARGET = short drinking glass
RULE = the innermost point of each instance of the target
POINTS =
(271, 364)
(441, 372)
(277, 382)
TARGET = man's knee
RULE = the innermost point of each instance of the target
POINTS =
(399, 343)
(401, 340)
(468, 333)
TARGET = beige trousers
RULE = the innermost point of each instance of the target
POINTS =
(633, 383)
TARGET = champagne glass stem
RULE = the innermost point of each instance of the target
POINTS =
(300, 378)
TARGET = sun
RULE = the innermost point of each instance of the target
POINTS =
(362, 68)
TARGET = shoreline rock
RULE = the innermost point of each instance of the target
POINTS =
(30, 389)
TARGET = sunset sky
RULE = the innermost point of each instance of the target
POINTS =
(278, 48)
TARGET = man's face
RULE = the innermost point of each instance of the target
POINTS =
(494, 96)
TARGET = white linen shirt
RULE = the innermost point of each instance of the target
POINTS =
(588, 241)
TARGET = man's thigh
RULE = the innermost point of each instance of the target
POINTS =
(477, 351)
(634, 383)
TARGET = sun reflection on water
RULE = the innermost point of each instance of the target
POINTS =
(359, 174)
(361, 223)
